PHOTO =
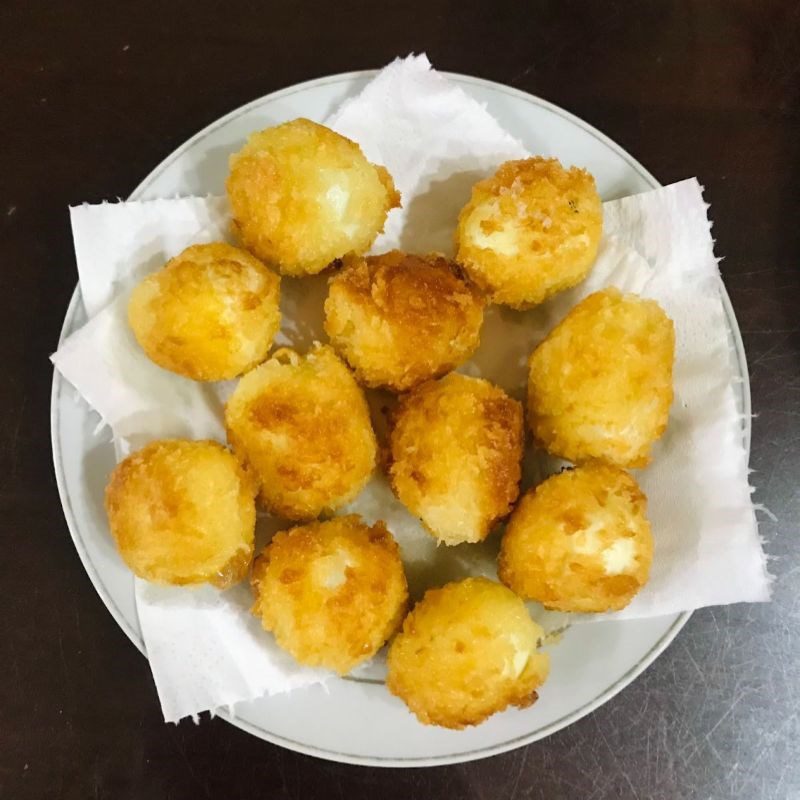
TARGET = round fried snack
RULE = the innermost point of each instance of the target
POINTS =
(303, 196)
(466, 651)
(456, 446)
(183, 512)
(302, 424)
(600, 384)
(381, 308)
(530, 230)
(331, 592)
(210, 314)
(580, 541)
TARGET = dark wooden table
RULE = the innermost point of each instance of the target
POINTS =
(92, 95)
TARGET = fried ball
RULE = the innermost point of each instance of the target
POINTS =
(580, 541)
(183, 512)
(303, 425)
(466, 651)
(401, 319)
(530, 230)
(456, 446)
(331, 592)
(210, 314)
(600, 384)
(303, 196)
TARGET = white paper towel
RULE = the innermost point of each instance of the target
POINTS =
(205, 649)
(436, 142)
(707, 548)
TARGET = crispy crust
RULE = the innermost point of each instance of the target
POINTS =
(303, 196)
(613, 401)
(456, 446)
(530, 230)
(302, 424)
(183, 512)
(331, 592)
(401, 319)
(466, 651)
(580, 541)
(209, 314)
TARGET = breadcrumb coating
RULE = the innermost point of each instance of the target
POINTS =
(303, 196)
(183, 512)
(530, 230)
(401, 319)
(600, 384)
(580, 541)
(209, 314)
(466, 651)
(456, 446)
(331, 592)
(302, 424)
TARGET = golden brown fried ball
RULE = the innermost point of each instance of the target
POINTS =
(580, 541)
(302, 424)
(466, 651)
(456, 446)
(209, 314)
(332, 592)
(183, 512)
(401, 319)
(600, 384)
(530, 230)
(303, 196)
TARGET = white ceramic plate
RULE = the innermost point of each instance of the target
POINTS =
(358, 721)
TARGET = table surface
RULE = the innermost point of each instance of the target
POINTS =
(94, 94)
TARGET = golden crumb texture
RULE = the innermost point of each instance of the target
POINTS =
(401, 319)
(302, 424)
(303, 196)
(465, 652)
(183, 512)
(331, 592)
(456, 446)
(209, 314)
(530, 230)
(580, 541)
(600, 384)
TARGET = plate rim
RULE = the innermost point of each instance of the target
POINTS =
(135, 635)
